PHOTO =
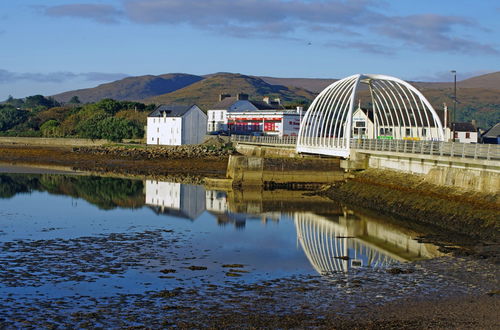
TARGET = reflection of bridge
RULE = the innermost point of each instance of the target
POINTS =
(339, 243)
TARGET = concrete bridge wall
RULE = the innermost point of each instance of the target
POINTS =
(466, 173)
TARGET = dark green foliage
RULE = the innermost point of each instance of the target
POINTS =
(10, 117)
(74, 100)
(117, 129)
(89, 128)
(108, 105)
(39, 102)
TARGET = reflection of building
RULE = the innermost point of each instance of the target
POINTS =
(217, 203)
(181, 200)
(339, 243)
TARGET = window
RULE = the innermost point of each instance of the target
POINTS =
(157, 130)
(467, 135)
(456, 135)
(424, 132)
(360, 124)
(408, 132)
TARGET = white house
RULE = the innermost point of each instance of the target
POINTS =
(217, 116)
(393, 126)
(176, 199)
(176, 125)
(266, 122)
(465, 132)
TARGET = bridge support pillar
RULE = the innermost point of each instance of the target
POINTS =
(356, 162)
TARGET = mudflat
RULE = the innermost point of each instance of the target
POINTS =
(210, 166)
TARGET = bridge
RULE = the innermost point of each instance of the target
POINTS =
(399, 130)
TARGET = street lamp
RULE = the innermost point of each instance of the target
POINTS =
(454, 72)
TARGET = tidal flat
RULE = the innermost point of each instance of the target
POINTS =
(80, 251)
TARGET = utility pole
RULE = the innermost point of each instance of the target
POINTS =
(454, 72)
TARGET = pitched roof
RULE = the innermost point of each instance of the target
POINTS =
(228, 102)
(464, 127)
(493, 132)
(171, 110)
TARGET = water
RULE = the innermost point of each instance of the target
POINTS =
(74, 239)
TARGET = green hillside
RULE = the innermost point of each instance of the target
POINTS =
(206, 92)
(131, 88)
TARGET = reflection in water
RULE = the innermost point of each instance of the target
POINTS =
(332, 237)
(180, 200)
(348, 241)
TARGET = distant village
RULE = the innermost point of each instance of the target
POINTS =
(239, 115)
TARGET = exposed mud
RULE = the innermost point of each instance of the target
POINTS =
(194, 169)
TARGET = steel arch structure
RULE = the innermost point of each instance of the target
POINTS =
(396, 107)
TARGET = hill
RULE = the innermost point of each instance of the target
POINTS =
(314, 85)
(206, 92)
(132, 88)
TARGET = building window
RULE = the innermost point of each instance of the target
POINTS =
(456, 135)
(408, 132)
(360, 124)
(157, 130)
(467, 135)
(424, 132)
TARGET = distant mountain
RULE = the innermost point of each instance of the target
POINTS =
(132, 88)
(206, 92)
(315, 85)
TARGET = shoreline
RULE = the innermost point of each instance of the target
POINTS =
(67, 159)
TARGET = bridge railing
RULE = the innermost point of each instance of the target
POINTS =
(266, 140)
(438, 148)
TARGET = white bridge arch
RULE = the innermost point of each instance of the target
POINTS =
(398, 111)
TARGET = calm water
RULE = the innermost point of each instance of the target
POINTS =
(71, 243)
(97, 236)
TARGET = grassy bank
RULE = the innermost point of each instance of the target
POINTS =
(407, 196)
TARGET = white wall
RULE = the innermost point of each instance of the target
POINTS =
(163, 194)
(217, 120)
(462, 137)
(164, 131)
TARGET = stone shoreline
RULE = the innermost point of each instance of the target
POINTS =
(455, 212)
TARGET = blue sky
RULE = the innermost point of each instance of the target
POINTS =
(59, 45)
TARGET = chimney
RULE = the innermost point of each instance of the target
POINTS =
(267, 99)
(242, 96)
(277, 101)
(474, 123)
(223, 96)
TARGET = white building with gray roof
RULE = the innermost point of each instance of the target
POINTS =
(176, 125)
(218, 115)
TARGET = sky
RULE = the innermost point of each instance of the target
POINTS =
(53, 46)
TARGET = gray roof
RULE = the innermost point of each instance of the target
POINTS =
(493, 132)
(171, 110)
(229, 101)
(464, 127)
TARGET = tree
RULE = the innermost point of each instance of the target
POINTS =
(110, 106)
(117, 129)
(10, 117)
(51, 128)
(90, 128)
(74, 100)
